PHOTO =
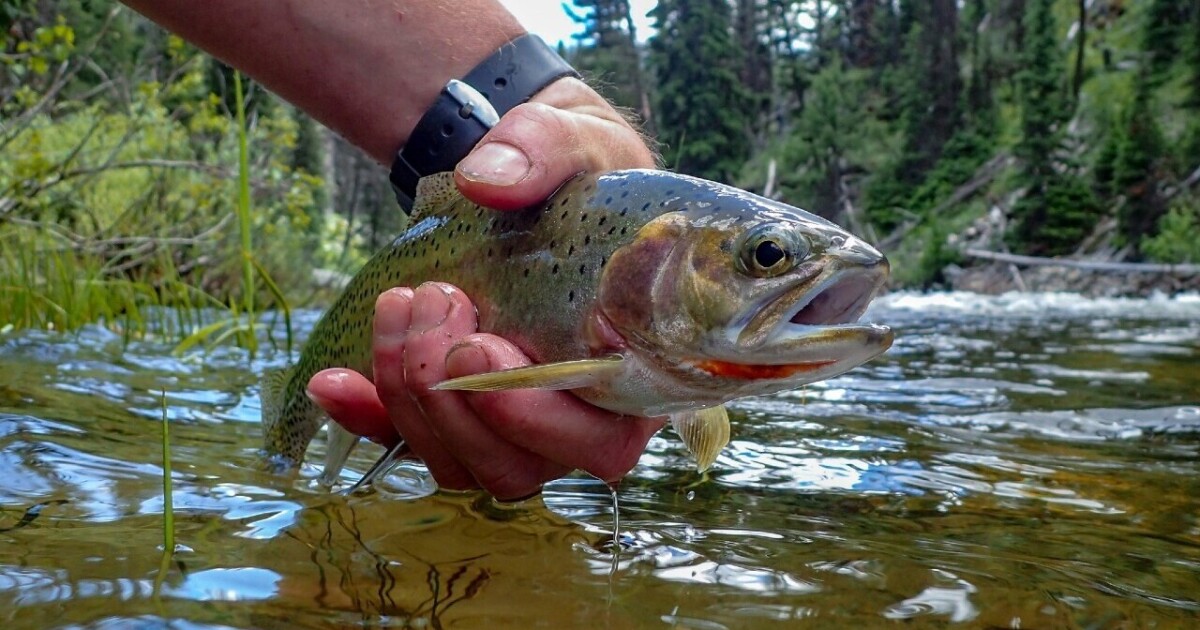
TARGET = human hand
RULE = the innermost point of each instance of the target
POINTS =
(565, 129)
(508, 443)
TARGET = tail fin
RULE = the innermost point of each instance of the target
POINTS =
(278, 442)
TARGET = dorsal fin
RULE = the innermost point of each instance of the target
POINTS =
(433, 192)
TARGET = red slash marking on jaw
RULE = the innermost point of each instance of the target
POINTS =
(754, 372)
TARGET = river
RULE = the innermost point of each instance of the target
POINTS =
(1020, 461)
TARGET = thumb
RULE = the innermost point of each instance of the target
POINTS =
(536, 147)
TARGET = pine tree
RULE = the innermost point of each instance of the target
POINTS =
(1193, 60)
(861, 19)
(701, 110)
(830, 128)
(606, 51)
(929, 91)
(1138, 169)
(1161, 32)
(1190, 144)
(1058, 208)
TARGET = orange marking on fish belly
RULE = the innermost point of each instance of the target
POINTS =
(754, 372)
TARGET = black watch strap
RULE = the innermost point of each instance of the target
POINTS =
(459, 118)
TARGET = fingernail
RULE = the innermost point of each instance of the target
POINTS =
(466, 358)
(393, 322)
(431, 305)
(497, 163)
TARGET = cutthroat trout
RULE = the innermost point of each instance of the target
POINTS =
(643, 292)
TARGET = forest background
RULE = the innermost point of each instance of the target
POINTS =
(936, 129)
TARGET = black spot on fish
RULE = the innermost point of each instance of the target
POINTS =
(564, 215)
(646, 206)
(582, 269)
(608, 200)
(603, 261)
(527, 272)
(555, 269)
(624, 194)
(571, 250)
(623, 231)
(553, 243)
(611, 230)
(570, 296)
(437, 263)
(583, 218)
(587, 239)
(563, 203)
(670, 192)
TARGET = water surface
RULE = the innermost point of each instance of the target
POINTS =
(1022, 461)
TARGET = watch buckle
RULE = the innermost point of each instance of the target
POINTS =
(472, 104)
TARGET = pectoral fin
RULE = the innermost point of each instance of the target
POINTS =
(337, 450)
(705, 432)
(564, 375)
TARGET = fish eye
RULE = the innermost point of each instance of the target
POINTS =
(771, 251)
(768, 254)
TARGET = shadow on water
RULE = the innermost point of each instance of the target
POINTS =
(1019, 461)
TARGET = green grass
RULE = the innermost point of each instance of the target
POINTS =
(240, 325)
(168, 497)
(46, 285)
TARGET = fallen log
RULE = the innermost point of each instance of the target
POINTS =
(1088, 265)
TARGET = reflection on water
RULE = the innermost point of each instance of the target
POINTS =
(1021, 461)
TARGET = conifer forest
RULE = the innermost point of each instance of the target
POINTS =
(942, 131)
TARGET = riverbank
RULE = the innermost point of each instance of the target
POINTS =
(996, 278)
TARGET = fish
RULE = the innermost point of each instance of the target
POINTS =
(645, 292)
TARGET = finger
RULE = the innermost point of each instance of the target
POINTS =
(539, 145)
(352, 401)
(442, 316)
(556, 425)
(393, 316)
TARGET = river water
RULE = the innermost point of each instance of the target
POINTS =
(1022, 461)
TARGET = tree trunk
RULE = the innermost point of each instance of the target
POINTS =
(1079, 51)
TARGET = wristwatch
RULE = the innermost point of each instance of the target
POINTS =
(466, 109)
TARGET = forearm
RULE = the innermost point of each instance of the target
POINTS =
(367, 69)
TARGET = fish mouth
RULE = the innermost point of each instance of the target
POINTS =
(831, 300)
(841, 300)
(808, 332)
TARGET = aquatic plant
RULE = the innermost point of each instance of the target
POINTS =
(168, 498)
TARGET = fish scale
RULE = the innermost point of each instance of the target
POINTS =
(643, 292)
(551, 254)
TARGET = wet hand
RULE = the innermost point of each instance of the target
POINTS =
(564, 130)
(508, 443)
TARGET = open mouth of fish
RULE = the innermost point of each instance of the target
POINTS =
(842, 300)
(806, 329)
